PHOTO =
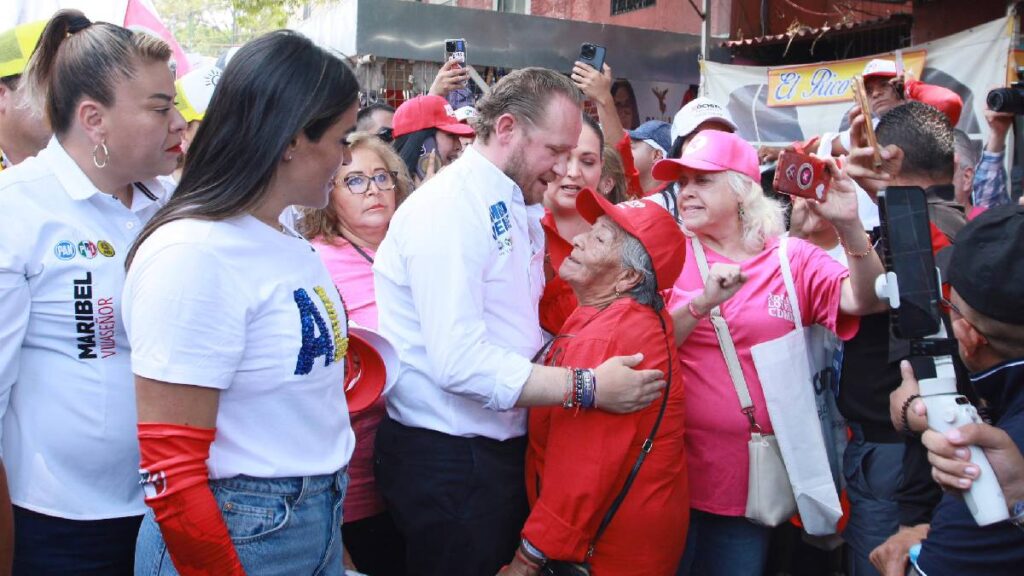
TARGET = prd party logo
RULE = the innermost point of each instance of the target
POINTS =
(87, 249)
(64, 250)
(105, 248)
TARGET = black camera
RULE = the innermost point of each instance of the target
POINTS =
(1008, 99)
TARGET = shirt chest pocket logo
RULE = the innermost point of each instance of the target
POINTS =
(501, 227)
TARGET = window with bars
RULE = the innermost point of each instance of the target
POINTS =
(622, 6)
(512, 6)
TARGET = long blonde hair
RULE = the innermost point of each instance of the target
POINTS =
(324, 223)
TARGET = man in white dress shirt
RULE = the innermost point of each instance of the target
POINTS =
(458, 280)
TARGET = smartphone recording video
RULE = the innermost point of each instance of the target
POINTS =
(907, 249)
(593, 55)
(802, 175)
(455, 49)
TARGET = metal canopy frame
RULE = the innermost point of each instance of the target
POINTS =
(416, 31)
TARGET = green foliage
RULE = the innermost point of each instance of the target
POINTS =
(211, 26)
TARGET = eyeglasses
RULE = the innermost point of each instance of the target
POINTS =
(386, 134)
(360, 183)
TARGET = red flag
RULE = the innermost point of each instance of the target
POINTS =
(140, 16)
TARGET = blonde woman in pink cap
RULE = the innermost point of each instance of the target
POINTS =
(735, 228)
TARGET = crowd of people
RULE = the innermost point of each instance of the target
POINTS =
(586, 319)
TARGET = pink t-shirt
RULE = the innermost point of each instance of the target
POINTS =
(716, 431)
(353, 275)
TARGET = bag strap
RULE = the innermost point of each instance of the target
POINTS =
(725, 342)
(644, 450)
(787, 277)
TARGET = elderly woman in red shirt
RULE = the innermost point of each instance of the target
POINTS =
(580, 462)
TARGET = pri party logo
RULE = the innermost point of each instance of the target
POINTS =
(87, 249)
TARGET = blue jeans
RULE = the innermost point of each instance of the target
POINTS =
(50, 545)
(724, 546)
(873, 471)
(279, 526)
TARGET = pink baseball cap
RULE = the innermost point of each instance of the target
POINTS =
(711, 151)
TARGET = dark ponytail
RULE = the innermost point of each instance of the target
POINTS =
(77, 59)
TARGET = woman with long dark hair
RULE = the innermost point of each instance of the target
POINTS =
(69, 215)
(239, 334)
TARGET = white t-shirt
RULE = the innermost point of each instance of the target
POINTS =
(238, 306)
(67, 395)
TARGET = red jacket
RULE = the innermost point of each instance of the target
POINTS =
(577, 462)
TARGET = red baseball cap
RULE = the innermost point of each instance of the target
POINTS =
(428, 111)
(371, 368)
(649, 223)
(711, 151)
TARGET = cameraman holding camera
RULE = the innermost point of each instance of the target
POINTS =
(987, 279)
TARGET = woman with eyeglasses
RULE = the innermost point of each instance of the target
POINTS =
(346, 234)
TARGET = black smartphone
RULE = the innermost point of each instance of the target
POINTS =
(455, 49)
(907, 250)
(593, 54)
(428, 155)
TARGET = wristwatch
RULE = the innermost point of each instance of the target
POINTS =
(1017, 514)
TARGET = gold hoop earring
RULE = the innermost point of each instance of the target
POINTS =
(106, 154)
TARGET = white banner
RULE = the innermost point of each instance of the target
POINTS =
(970, 63)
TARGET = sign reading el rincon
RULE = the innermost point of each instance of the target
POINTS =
(826, 82)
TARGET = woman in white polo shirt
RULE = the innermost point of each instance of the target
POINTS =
(69, 216)
(238, 333)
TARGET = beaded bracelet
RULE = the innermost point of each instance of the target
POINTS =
(569, 398)
(589, 399)
(903, 415)
(863, 254)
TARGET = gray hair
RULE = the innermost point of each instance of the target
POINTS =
(525, 94)
(966, 151)
(635, 257)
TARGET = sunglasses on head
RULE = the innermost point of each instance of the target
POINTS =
(386, 134)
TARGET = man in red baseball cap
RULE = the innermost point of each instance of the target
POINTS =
(427, 125)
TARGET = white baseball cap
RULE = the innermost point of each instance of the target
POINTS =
(696, 112)
(880, 67)
(465, 113)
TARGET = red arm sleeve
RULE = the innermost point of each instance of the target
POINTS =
(633, 188)
(947, 101)
(174, 476)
